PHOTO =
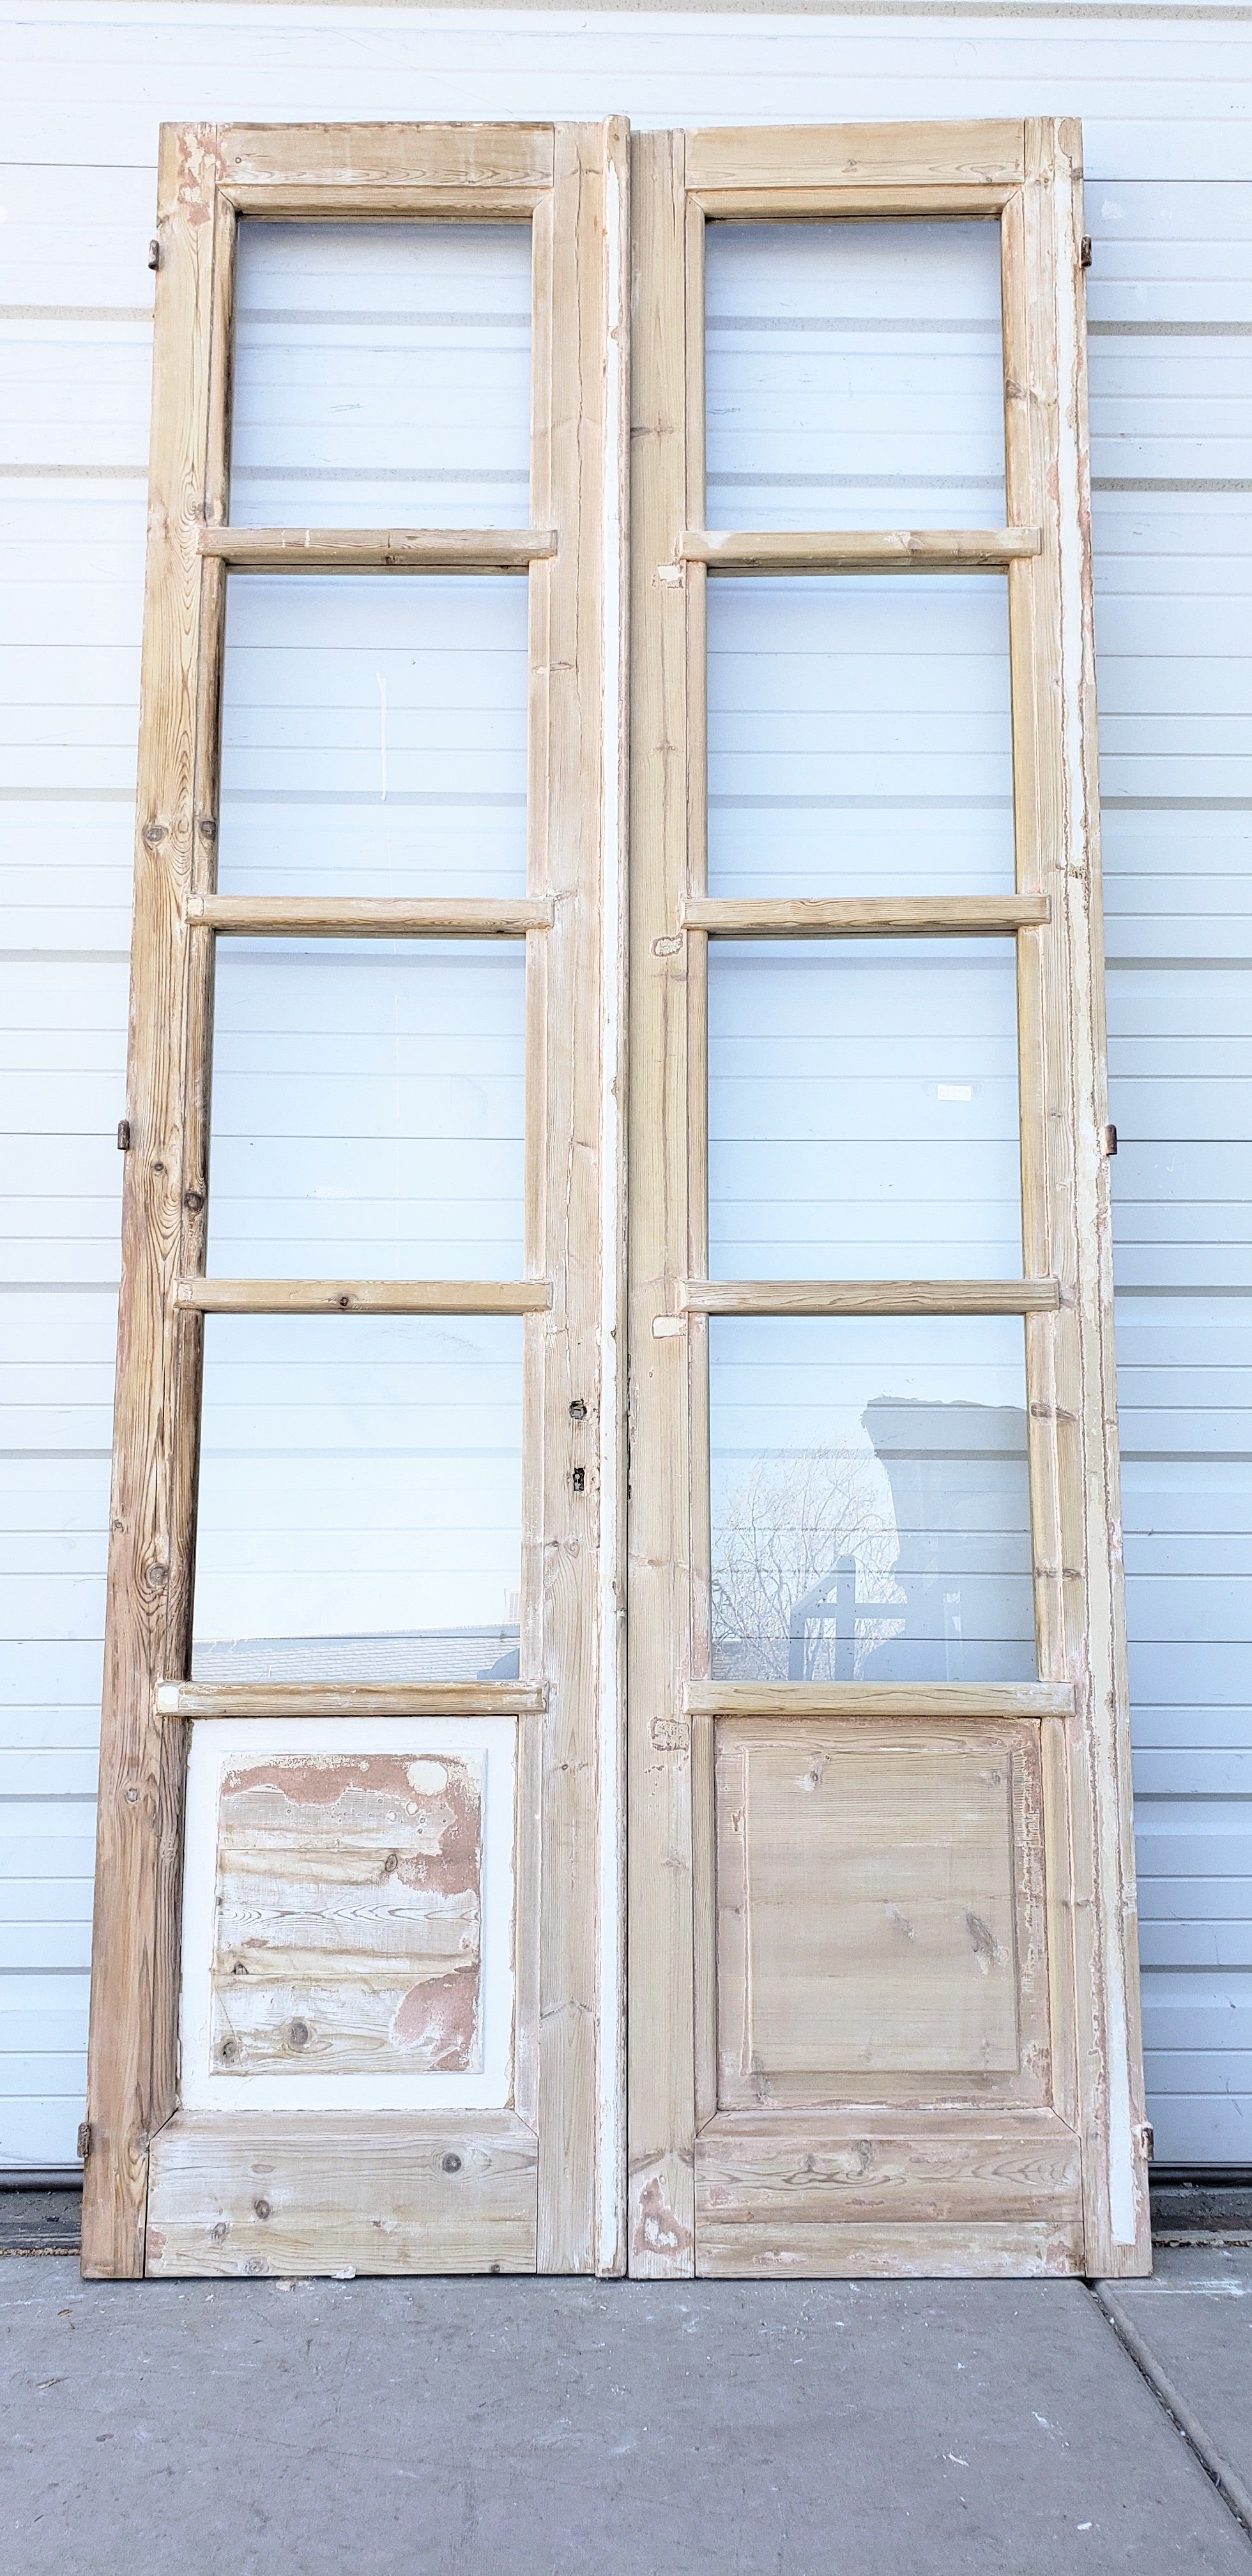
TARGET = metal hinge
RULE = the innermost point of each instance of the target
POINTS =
(1108, 1139)
(1084, 252)
(154, 254)
(84, 2139)
(123, 1135)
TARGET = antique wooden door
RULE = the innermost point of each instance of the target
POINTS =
(882, 2007)
(358, 2000)
(353, 1979)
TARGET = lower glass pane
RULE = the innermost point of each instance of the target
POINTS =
(870, 1500)
(360, 1498)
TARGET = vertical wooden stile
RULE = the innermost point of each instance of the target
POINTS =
(132, 2070)
(661, 2111)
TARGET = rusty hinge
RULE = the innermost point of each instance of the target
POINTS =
(1108, 1141)
(84, 2139)
(1146, 2140)
(1084, 251)
(154, 253)
(123, 1135)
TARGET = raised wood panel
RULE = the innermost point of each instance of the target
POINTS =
(880, 1915)
(348, 1915)
(235, 2195)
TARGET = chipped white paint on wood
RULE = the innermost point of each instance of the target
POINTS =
(348, 1917)
(349, 1908)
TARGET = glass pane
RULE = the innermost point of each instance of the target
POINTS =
(360, 1498)
(854, 375)
(382, 376)
(367, 1109)
(374, 735)
(863, 1119)
(871, 1512)
(859, 736)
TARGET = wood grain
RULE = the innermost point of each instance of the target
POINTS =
(348, 1915)
(869, 1296)
(244, 2195)
(779, 158)
(378, 549)
(870, 2166)
(794, 550)
(925, 2249)
(351, 1699)
(363, 1296)
(802, 1700)
(473, 160)
(854, 916)
(132, 2070)
(300, 916)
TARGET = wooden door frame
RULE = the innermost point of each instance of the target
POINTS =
(539, 2185)
(1090, 2201)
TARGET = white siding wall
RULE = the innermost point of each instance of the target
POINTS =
(1165, 103)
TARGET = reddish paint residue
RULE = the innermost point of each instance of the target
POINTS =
(657, 2231)
(437, 2019)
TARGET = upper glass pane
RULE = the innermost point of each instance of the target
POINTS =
(374, 735)
(871, 1501)
(382, 376)
(360, 1498)
(859, 735)
(367, 1109)
(863, 1119)
(854, 375)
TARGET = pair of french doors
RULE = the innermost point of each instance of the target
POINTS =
(614, 1747)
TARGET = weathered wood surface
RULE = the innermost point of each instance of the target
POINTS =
(368, 916)
(870, 1296)
(348, 1915)
(982, 150)
(248, 2194)
(472, 160)
(351, 1699)
(379, 549)
(363, 1296)
(862, 916)
(132, 2063)
(880, 1915)
(878, 1699)
(788, 550)
(869, 2165)
(879, 2250)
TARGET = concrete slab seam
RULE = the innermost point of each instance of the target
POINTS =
(1230, 2486)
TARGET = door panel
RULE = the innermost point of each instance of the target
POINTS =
(880, 1876)
(352, 2000)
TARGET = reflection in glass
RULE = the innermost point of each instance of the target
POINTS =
(360, 1498)
(854, 375)
(382, 375)
(367, 1109)
(859, 735)
(374, 735)
(863, 1118)
(870, 1500)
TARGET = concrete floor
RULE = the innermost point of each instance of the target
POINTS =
(552, 2428)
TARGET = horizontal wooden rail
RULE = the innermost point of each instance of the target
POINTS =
(379, 549)
(855, 916)
(780, 204)
(312, 916)
(351, 1699)
(870, 1296)
(363, 1296)
(782, 550)
(877, 1699)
